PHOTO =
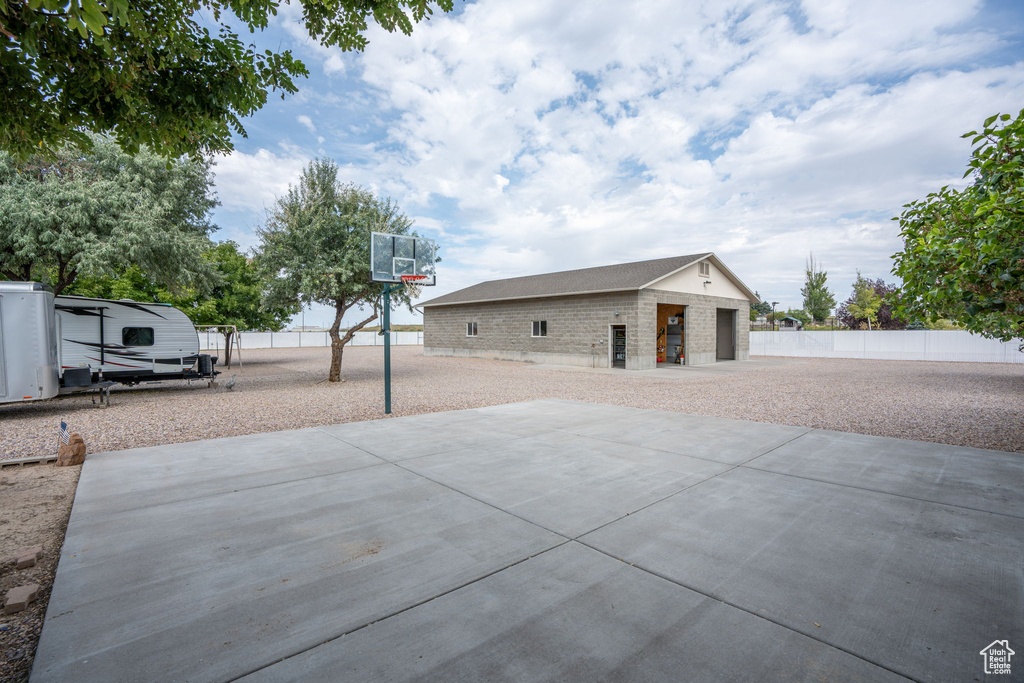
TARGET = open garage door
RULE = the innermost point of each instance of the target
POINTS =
(726, 344)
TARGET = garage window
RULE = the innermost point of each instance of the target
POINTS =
(540, 328)
(470, 329)
(705, 269)
(137, 336)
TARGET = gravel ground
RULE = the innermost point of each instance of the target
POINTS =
(966, 404)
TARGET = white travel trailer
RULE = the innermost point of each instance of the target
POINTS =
(51, 345)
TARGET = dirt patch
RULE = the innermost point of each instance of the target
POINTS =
(35, 503)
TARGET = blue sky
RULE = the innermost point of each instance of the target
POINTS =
(535, 136)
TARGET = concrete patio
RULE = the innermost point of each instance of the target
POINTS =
(549, 540)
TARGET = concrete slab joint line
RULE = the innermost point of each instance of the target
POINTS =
(746, 463)
(807, 633)
(699, 457)
(555, 590)
(684, 490)
(796, 552)
(395, 613)
(404, 469)
(967, 478)
(861, 488)
(458, 563)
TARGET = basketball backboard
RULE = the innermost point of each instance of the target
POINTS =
(392, 256)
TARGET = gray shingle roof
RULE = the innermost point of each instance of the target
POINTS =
(620, 276)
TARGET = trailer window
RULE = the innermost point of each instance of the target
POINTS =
(137, 336)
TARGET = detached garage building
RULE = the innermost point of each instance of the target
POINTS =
(686, 310)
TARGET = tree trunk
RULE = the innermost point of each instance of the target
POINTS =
(337, 345)
(227, 347)
(23, 275)
(338, 342)
(337, 349)
(66, 274)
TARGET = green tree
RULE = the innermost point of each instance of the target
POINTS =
(237, 297)
(98, 212)
(865, 301)
(963, 250)
(818, 300)
(316, 249)
(234, 299)
(131, 283)
(884, 319)
(760, 308)
(151, 73)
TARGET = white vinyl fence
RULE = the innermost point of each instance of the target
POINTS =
(941, 345)
(214, 341)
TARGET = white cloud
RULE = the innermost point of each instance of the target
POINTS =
(252, 182)
(331, 59)
(571, 135)
(534, 136)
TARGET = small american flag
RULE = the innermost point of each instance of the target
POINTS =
(65, 435)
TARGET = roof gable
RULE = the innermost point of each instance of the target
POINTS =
(713, 287)
(614, 278)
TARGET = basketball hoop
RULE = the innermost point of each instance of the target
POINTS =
(399, 262)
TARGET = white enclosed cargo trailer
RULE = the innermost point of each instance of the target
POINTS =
(51, 345)
(28, 342)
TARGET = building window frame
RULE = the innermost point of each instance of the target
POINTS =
(539, 328)
(704, 268)
(471, 329)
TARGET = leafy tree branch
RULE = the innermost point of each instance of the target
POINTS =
(963, 250)
(151, 73)
(100, 211)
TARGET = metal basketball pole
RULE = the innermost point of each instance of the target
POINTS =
(386, 331)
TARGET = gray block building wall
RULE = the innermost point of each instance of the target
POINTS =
(580, 307)
(574, 324)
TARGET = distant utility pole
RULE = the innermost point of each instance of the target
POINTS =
(774, 304)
